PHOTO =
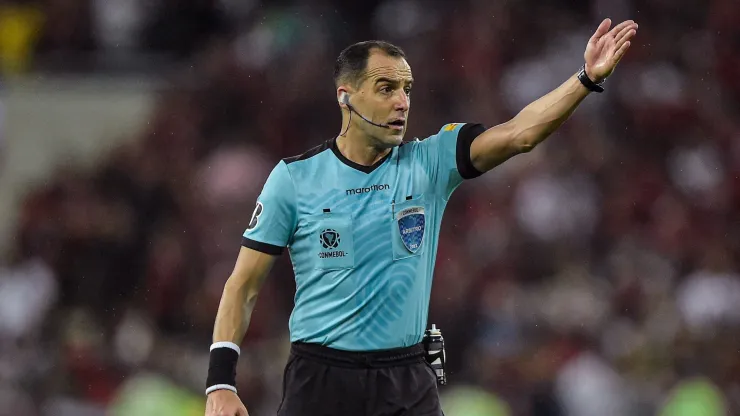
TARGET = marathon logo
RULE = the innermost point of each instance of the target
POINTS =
(358, 191)
(330, 254)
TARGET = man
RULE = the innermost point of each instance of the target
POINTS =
(361, 215)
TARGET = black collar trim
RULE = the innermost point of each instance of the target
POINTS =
(357, 166)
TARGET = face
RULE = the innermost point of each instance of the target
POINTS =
(383, 97)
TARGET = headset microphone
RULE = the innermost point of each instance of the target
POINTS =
(345, 101)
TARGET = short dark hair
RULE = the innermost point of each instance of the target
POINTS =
(352, 61)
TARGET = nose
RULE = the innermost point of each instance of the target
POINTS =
(402, 102)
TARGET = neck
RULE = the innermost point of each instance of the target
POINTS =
(359, 148)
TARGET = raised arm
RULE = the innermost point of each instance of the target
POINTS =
(539, 119)
(232, 320)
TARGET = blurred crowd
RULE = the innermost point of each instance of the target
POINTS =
(597, 275)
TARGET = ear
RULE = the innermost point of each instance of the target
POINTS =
(342, 97)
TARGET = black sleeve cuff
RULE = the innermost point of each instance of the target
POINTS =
(465, 138)
(263, 247)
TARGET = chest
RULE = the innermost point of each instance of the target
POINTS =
(357, 220)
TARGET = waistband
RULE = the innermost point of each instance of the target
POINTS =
(360, 359)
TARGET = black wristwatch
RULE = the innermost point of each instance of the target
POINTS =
(586, 81)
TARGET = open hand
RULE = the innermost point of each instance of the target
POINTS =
(607, 47)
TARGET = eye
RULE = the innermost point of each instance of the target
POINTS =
(386, 89)
(408, 91)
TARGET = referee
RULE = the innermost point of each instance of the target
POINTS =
(360, 215)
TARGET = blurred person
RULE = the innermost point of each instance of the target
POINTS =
(361, 215)
(587, 385)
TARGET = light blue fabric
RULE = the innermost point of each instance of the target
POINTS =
(358, 286)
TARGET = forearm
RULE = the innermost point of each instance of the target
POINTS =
(539, 119)
(232, 321)
(542, 117)
(234, 313)
(528, 128)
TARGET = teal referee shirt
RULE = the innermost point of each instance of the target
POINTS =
(362, 239)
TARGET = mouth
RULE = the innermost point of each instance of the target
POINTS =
(397, 124)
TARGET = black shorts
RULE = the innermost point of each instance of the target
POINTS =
(321, 381)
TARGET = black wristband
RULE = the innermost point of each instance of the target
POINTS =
(587, 82)
(222, 369)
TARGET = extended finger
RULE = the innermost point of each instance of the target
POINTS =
(621, 51)
(624, 36)
(618, 28)
(601, 30)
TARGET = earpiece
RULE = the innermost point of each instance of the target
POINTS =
(344, 99)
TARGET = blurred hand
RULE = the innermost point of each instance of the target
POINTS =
(607, 47)
(225, 403)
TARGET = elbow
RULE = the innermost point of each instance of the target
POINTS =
(499, 144)
(237, 287)
(525, 146)
(523, 142)
(524, 134)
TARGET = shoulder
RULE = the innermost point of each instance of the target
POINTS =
(453, 130)
(447, 130)
(308, 162)
(465, 132)
(310, 153)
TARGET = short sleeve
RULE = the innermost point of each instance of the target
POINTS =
(448, 156)
(273, 220)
